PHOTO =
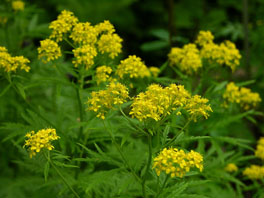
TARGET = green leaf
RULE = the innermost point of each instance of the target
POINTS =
(46, 171)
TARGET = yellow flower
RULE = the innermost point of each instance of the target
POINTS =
(187, 58)
(84, 55)
(204, 37)
(49, 50)
(84, 33)
(42, 139)
(18, 5)
(242, 96)
(231, 167)
(102, 74)
(157, 102)
(196, 107)
(3, 20)
(104, 100)
(254, 172)
(154, 71)
(111, 44)
(9, 63)
(260, 149)
(105, 27)
(64, 23)
(133, 67)
(177, 163)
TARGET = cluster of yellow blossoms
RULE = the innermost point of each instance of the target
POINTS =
(42, 139)
(254, 172)
(176, 162)
(103, 74)
(157, 102)
(242, 96)
(12, 63)
(87, 40)
(260, 149)
(18, 5)
(189, 58)
(154, 71)
(104, 100)
(133, 67)
(231, 167)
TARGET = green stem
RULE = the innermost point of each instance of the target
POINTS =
(68, 42)
(121, 154)
(173, 139)
(60, 174)
(162, 187)
(148, 166)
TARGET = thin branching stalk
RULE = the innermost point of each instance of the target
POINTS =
(162, 187)
(61, 176)
(148, 166)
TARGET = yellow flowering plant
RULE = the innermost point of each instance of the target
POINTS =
(106, 124)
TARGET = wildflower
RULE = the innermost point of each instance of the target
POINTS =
(177, 163)
(105, 27)
(18, 5)
(231, 167)
(84, 33)
(3, 20)
(224, 54)
(196, 107)
(154, 71)
(254, 172)
(42, 139)
(243, 96)
(49, 50)
(9, 63)
(102, 73)
(157, 102)
(187, 59)
(64, 23)
(84, 55)
(204, 37)
(111, 44)
(260, 149)
(133, 67)
(104, 100)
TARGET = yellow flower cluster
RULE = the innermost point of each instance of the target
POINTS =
(133, 67)
(84, 33)
(12, 63)
(18, 5)
(102, 73)
(231, 167)
(157, 102)
(242, 96)
(176, 162)
(111, 44)
(154, 71)
(260, 149)
(187, 58)
(197, 106)
(204, 38)
(105, 27)
(42, 139)
(49, 50)
(84, 55)
(254, 172)
(64, 23)
(104, 100)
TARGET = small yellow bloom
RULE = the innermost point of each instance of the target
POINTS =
(18, 5)
(154, 71)
(260, 149)
(49, 50)
(105, 27)
(177, 163)
(254, 172)
(231, 167)
(102, 73)
(204, 37)
(42, 139)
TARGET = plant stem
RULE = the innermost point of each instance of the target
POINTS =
(121, 154)
(162, 187)
(148, 166)
(60, 174)
(173, 139)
